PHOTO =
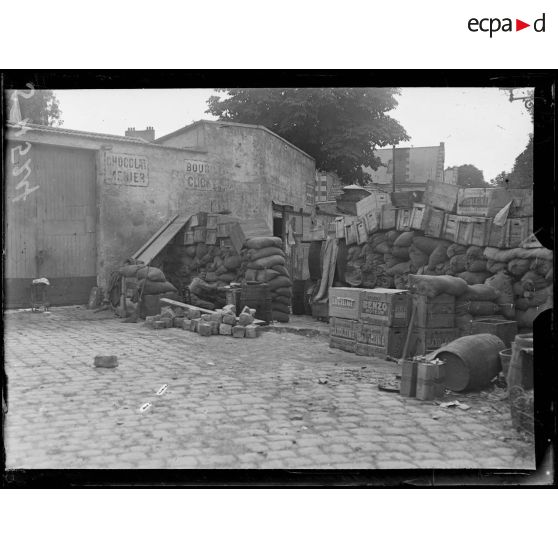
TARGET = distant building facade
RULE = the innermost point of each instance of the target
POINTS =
(414, 166)
(450, 175)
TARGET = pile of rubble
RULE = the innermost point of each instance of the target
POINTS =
(219, 322)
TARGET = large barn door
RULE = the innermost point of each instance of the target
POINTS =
(51, 232)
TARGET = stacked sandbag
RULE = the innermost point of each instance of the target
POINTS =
(263, 260)
(529, 281)
(151, 280)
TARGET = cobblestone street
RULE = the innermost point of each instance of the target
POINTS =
(280, 401)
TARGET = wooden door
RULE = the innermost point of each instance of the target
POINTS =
(51, 231)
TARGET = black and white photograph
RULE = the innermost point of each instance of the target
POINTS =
(271, 278)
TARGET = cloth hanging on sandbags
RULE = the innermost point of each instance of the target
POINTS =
(328, 270)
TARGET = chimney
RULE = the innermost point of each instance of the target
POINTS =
(148, 134)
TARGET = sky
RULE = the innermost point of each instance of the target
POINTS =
(479, 126)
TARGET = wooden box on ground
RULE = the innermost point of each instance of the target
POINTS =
(200, 234)
(371, 221)
(506, 330)
(373, 202)
(379, 340)
(441, 196)
(473, 231)
(481, 202)
(426, 339)
(438, 312)
(433, 222)
(342, 327)
(390, 307)
(430, 381)
(344, 302)
(348, 345)
(417, 216)
(511, 233)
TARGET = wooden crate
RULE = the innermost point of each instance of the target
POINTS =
(350, 233)
(449, 229)
(498, 235)
(344, 302)
(441, 196)
(390, 307)
(212, 220)
(438, 312)
(417, 217)
(388, 217)
(362, 235)
(426, 339)
(518, 229)
(211, 237)
(200, 234)
(342, 327)
(223, 230)
(198, 220)
(371, 222)
(373, 202)
(473, 231)
(403, 199)
(378, 340)
(481, 202)
(506, 330)
(189, 238)
(522, 202)
(433, 222)
(348, 345)
(404, 219)
(339, 227)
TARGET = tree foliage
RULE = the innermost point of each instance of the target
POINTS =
(521, 175)
(470, 176)
(42, 107)
(339, 127)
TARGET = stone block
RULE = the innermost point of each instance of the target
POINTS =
(194, 324)
(159, 324)
(217, 317)
(167, 321)
(252, 331)
(206, 317)
(229, 319)
(204, 329)
(225, 329)
(178, 322)
(105, 361)
(238, 331)
(214, 328)
(245, 319)
(186, 324)
(194, 313)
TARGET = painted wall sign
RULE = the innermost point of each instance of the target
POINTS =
(126, 170)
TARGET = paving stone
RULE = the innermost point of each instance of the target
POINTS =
(244, 411)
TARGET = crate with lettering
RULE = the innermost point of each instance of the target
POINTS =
(342, 327)
(344, 302)
(438, 312)
(389, 307)
(481, 202)
(380, 340)
(348, 345)
(441, 195)
(426, 339)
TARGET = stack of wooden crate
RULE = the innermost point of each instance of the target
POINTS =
(434, 323)
(371, 322)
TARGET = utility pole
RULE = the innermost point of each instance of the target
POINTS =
(393, 169)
